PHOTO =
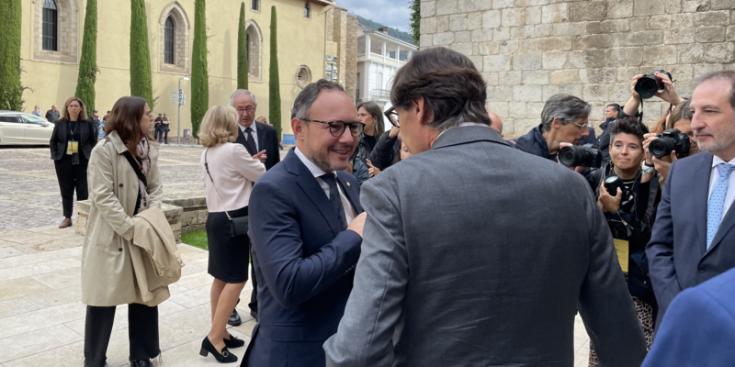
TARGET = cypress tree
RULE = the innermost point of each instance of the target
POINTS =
(11, 91)
(242, 51)
(274, 87)
(88, 63)
(415, 24)
(199, 74)
(140, 57)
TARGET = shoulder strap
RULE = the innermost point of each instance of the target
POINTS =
(136, 167)
(206, 166)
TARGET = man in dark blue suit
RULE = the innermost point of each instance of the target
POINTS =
(306, 230)
(694, 236)
(699, 329)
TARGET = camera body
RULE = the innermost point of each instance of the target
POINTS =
(612, 184)
(585, 155)
(667, 141)
(648, 85)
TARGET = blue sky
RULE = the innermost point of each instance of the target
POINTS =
(393, 13)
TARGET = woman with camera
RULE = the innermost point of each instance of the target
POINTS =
(681, 120)
(229, 172)
(626, 194)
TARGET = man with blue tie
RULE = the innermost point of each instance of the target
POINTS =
(306, 226)
(694, 236)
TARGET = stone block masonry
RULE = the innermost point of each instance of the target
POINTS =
(528, 50)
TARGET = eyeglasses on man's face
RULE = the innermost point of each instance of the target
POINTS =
(249, 110)
(337, 128)
(581, 126)
(392, 116)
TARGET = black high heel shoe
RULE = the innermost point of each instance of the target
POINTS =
(224, 357)
(234, 342)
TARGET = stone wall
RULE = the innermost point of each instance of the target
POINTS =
(194, 212)
(528, 50)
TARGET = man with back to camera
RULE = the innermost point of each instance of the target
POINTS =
(261, 141)
(53, 114)
(306, 229)
(693, 239)
(451, 273)
(564, 119)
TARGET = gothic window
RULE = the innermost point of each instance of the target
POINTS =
(255, 5)
(253, 41)
(169, 41)
(307, 10)
(50, 26)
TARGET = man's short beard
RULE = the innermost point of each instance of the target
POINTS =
(325, 166)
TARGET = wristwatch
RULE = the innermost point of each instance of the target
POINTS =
(648, 169)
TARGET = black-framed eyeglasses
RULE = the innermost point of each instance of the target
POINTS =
(337, 128)
(392, 116)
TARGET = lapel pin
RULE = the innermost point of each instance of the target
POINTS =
(348, 184)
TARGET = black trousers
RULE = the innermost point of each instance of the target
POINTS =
(142, 331)
(163, 136)
(71, 177)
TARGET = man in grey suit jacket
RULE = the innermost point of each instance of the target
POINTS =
(476, 254)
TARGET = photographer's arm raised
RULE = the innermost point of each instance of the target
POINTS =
(668, 94)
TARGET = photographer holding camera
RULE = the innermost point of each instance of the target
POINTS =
(564, 119)
(626, 197)
(646, 86)
(681, 121)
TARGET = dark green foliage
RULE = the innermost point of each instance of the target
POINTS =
(11, 91)
(403, 36)
(274, 83)
(242, 51)
(199, 73)
(415, 24)
(88, 63)
(140, 57)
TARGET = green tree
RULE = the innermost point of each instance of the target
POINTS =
(242, 51)
(140, 56)
(274, 86)
(415, 24)
(199, 73)
(88, 63)
(11, 91)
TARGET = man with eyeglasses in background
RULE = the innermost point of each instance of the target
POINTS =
(261, 141)
(564, 121)
(306, 226)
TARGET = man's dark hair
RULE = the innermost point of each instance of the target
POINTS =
(728, 75)
(306, 97)
(615, 106)
(452, 87)
(628, 125)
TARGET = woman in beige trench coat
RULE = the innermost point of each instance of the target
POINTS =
(116, 195)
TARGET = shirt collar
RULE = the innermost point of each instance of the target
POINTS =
(252, 126)
(464, 124)
(316, 171)
(717, 160)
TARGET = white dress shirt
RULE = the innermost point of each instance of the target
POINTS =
(254, 126)
(714, 176)
(316, 171)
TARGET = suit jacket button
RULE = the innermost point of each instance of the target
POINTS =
(121, 185)
(120, 249)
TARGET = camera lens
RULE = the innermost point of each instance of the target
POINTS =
(612, 184)
(647, 86)
(569, 156)
(662, 146)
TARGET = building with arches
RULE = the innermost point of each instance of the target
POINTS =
(314, 36)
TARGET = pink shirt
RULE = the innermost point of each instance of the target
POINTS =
(234, 170)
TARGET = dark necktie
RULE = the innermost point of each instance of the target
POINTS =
(335, 198)
(252, 149)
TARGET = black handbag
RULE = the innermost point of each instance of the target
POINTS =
(238, 225)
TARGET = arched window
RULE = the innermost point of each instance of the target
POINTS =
(307, 10)
(168, 53)
(253, 41)
(50, 26)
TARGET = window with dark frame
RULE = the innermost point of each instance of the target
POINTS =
(50, 26)
(255, 5)
(307, 10)
(168, 48)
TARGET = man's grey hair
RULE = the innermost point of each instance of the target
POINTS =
(565, 108)
(727, 75)
(307, 97)
(239, 92)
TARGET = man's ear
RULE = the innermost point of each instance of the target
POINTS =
(555, 123)
(424, 115)
(297, 126)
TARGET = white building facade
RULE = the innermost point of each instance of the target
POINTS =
(379, 56)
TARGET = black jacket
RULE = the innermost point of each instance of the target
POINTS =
(385, 151)
(52, 115)
(534, 143)
(59, 138)
(267, 140)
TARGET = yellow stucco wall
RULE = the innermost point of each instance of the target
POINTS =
(301, 41)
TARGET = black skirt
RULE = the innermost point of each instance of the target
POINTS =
(228, 256)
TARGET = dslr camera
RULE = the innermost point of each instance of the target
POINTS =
(667, 141)
(585, 155)
(612, 184)
(648, 85)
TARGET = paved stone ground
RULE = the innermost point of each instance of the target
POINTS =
(41, 317)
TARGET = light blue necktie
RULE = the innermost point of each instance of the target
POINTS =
(717, 202)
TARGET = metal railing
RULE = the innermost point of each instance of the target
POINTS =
(381, 94)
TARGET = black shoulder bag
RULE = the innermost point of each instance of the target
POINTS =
(238, 225)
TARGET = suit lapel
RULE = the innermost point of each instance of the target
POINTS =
(261, 136)
(701, 196)
(727, 224)
(352, 196)
(313, 190)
